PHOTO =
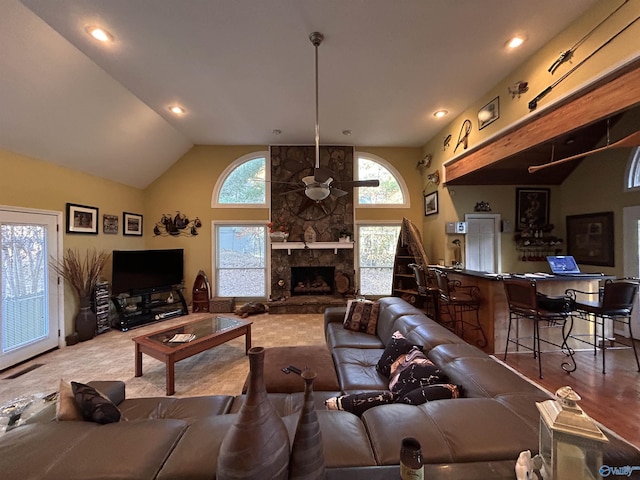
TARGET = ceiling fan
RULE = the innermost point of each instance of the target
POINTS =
(322, 183)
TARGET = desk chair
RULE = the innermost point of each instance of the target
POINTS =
(425, 280)
(614, 304)
(523, 300)
(456, 300)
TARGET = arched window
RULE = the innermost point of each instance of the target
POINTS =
(633, 170)
(392, 191)
(242, 184)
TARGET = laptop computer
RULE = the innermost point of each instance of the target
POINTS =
(566, 265)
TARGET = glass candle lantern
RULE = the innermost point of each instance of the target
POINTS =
(570, 442)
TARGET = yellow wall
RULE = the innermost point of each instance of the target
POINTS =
(457, 200)
(30, 183)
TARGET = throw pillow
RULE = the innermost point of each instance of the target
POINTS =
(362, 316)
(66, 408)
(428, 393)
(412, 371)
(398, 345)
(358, 403)
(93, 405)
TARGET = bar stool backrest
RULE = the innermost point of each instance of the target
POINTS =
(619, 296)
(521, 295)
(443, 284)
(421, 278)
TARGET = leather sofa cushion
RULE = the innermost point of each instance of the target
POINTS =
(430, 335)
(460, 430)
(345, 440)
(485, 377)
(340, 337)
(288, 403)
(188, 409)
(447, 352)
(356, 368)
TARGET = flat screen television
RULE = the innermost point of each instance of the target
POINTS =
(140, 272)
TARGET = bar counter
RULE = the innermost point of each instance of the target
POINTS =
(494, 309)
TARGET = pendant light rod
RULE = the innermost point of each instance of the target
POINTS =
(316, 38)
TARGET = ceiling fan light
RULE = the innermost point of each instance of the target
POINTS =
(317, 193)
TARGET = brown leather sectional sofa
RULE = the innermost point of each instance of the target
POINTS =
(479, 436)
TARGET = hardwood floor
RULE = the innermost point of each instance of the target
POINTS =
(612, 399)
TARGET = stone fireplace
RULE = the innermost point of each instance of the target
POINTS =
(322, 220)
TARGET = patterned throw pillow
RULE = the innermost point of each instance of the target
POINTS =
(412, 371)
(358, 403)
(398, 345)
(428, 393)
(362, 316)
(93, 405)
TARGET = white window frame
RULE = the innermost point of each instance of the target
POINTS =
(214, 251)
(371, 223)
(401, 183)
(632, 175)
(230, 169)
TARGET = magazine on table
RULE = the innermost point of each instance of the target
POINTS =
(182, 338)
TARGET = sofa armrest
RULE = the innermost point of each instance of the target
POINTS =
(112, 389)
(333, 315)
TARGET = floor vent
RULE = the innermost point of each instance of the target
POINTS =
(23, 371)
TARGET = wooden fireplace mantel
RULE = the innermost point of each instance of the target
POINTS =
(335, 246)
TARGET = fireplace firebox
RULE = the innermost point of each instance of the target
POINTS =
(312, 280)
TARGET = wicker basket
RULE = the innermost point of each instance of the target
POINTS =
(221, 305)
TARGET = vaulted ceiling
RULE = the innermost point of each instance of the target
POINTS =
(244, 68)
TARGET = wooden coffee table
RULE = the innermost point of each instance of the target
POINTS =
(207, 333)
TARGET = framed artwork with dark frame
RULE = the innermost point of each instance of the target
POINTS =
(131, 224)
(532, 208)
(489, 113)
(82, 219)
(430, 203)
(590, 238)
(110, 224)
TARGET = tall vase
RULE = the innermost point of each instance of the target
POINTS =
(256, 447)
(85, 321)
(307, 452)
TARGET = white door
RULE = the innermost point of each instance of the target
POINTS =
(631, 247)
(483, 243)
(30, 316)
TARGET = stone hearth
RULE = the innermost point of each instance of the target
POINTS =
(306, 304)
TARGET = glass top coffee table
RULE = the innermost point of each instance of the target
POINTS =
(185, 340)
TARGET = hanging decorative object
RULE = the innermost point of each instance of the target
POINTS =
(518, 89)
(425, 162)
(446, 143)
(179, 225)
(482, 207)
(463, 136)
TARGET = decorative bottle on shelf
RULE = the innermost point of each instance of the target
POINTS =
(256, 447)
(411, 467)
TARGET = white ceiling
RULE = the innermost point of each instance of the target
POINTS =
(243, 68)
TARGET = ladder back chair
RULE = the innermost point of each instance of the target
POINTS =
(427, 288)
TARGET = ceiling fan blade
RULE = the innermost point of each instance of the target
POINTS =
(322, 174)
(359, 183)
(293, 191)
(336, 192)
(305, 205)
(324, 209)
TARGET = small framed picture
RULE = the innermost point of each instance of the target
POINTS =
(110, 224)
(431, 203)
(489, 113)
(131, 224)
(82, 219)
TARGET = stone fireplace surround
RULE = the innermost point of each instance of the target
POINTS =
(290, 164)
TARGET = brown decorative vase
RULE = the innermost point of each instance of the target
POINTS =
(307, 453)
(256, 447)
(85, 322)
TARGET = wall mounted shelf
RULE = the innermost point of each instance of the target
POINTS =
(335, 246)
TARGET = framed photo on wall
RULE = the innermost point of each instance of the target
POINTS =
(131, 224)
(590, 238)
(431, 203)
(532, 208)
(489, 113)
(82, 219)
(110, 224)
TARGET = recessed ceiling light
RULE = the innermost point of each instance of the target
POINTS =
(177, 110)
(99, 33)
(440, 113)
(516, 41)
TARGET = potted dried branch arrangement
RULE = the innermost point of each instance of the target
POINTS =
(82, 272)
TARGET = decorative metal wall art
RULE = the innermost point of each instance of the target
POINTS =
(178, 225)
